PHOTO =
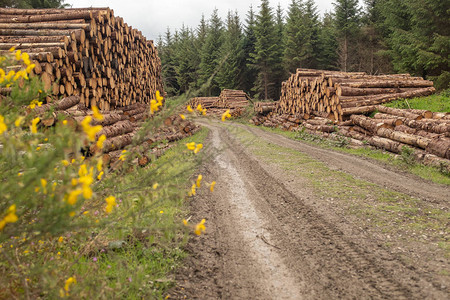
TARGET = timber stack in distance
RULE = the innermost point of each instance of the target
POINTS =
(86, 52)
(234, 100)
(338, 95)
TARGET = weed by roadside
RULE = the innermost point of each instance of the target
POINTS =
(71, 227)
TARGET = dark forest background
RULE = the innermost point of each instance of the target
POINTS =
(258, 53)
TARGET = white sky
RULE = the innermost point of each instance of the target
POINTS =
(153, 17)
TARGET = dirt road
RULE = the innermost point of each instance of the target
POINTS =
(291, 221)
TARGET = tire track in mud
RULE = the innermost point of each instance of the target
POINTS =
(270, 244)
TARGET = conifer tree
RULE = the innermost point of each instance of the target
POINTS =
(279, 74)
(293, 37)
(210, 55)
(347, 17)
(266, 54)
(249, 72)
(328, 44)
(232, 54)
(166, 53)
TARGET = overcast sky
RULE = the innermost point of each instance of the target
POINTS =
(153, 17)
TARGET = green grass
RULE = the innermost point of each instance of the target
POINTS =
(436, 103)
(135, 249)
(151, 228)
(426, 172)
(380, 208)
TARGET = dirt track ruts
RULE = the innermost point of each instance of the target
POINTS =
(265, 242)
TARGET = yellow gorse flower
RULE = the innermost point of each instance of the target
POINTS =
(123, 156)
(211, 187)
(154, 106)
(226, 115)
(199, 108)
(199, 180)
(159, 98)
(10, 217)
(198, 148)
(193, 192)
(18, 55)
(110, 203)
(33, 126)
(44, 185)
(18, 121)
(96, 113)
(190, 146)
(182, 117)
(3, 126)
(200, 227)
(73, 196)
(99, 176)
(12, 49)
(68, 283)
(10, 75)
(100, 141)
(99, 164)
(90, 131)
(189, 109)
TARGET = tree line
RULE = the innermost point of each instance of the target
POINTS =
(256, 55)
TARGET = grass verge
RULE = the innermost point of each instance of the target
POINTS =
(144, 248)
(131, 252)
(400, 162)
(436, 103)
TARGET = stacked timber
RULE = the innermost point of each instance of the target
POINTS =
(426, 133)
(87, 52)
(205, 102)
(233, 100)
(122, 127)
(264, 108)
(341, 94)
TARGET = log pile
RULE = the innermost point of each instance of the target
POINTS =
(120, 126)
(205, 102)
(341, 94)
(391, 129)
(234, 100)
(87, 52)
(264, 108)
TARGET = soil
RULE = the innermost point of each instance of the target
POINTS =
(270, 236)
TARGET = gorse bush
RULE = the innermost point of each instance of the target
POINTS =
(61, 213)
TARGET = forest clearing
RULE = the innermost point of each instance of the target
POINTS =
(134, 170)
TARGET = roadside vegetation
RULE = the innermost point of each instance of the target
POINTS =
(72, 227)
(436, 103)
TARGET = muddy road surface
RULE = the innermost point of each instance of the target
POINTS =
(288, 220)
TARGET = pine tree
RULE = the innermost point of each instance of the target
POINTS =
(185, 58)
(279, 74)
(328, 44)
(311, 30)
(210, 55)
(198, 43)
(249, 72)
(418, 35)
(265, 55)
(232, 52)
(166, 53)
(293, 37)
(347, 17)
